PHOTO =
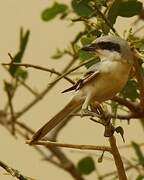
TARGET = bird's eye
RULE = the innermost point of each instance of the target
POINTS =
(109, 46)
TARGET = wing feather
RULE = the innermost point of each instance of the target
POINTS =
(92, 72)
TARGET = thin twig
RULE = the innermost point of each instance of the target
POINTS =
(46, 158)
(13, 119)
(48, 88)
(115, 172)
(74, 146)
(74, 69)
(105, 19)
(127, 116)
(137, 30)
(130, 105)
(65, 163)
(38, 149)
(14, 172)
(26, 65)
(28, 87)
(43, 93)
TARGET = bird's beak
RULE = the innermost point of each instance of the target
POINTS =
(90, 47)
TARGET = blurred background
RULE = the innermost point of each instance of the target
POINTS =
(44, 38)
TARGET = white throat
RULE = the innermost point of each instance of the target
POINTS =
(109, 55)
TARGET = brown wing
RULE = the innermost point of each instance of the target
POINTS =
(80, 83)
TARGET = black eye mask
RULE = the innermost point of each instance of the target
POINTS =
(108, 46)
(102, 45)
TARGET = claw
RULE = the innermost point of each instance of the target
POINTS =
(84, 112)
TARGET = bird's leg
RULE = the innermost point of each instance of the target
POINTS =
(84, 109)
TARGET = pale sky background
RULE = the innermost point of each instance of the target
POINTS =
(44, 39)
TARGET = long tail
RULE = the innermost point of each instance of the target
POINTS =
(72, 106)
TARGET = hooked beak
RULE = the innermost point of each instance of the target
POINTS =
(90, 47)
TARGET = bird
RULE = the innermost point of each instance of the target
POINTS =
(101, 82)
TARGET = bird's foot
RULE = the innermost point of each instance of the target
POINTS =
(84, 112)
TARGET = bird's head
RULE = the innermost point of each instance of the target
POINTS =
(112, 47)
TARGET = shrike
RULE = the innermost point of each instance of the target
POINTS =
(101, 82)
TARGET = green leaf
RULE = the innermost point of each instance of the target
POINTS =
(123, 8)
(138, 153)
(130, 90)
(84, 56)
(114, 107)
(23, 74)
(8, 87)
(18, 57)
(129, 8)
(140, 177)
(86, 165)
(58, 54)
(87, 40)
(100, 3)
(113, 11)
(51, 12)
(140, 44)
(82, 8)
(23, 40)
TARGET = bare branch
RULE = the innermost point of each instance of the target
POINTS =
(127, 116)
(13, 119)
(14, 172)
(28, 87)
(74, 146)
(44, 92)
(65, 163)
(72, 70)
(26, 65)
(130, 105)
(117, 159)
(129, 167)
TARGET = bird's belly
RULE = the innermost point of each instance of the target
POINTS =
(105, 87)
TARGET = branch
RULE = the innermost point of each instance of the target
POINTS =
(74, 146)
(28, 87)
(130, 105)
(44, 92)
(41, 152)
(117, 159)
(64, 161)
(72, 70)
(11, 110)
(115, 172)
(14, 172)
(127, 116)
(139, 77)
(53, 71)
(105, 19)
(50, 86)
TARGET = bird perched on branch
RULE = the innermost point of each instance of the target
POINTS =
(101, 82)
